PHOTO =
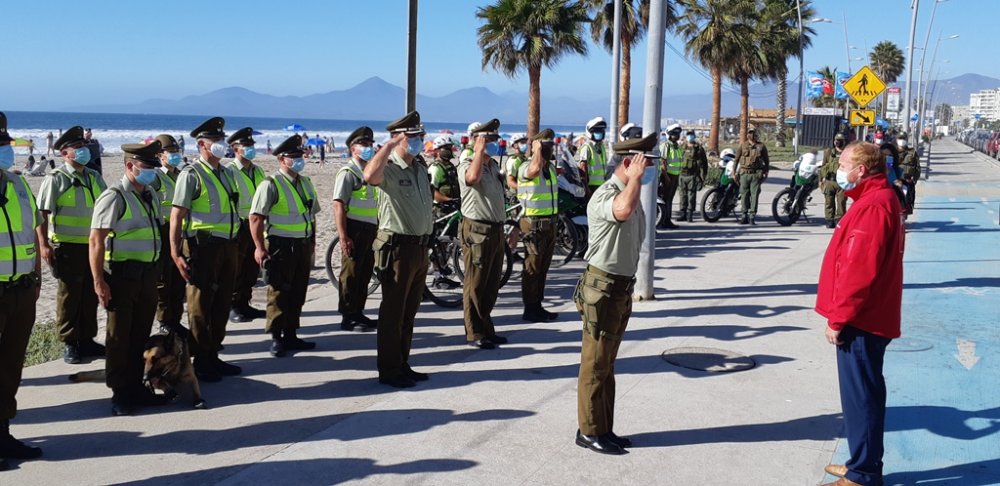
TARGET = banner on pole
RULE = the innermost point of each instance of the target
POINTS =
(839, 90)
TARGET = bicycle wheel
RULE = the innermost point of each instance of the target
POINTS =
(443, 284)
(512, 232)
(783, 207)
(507, 266)
(333, 264)
(712, 204)
(567, 241)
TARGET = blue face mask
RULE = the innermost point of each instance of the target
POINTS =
(690, 138)
(6, 157)
(598, 136)
(174, 160)
(523, 147)
(492, 149)
(367, 153)
(249, 153)
(414, 145)
(82, 155)
(146, 176)
(298, 165)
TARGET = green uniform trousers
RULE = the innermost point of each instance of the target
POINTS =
(287, 281)
(247, 269)
(403, 262)
(170, 285)
(209, 292)
(835, 202)
(750, 191)
(482, 251)
(17, 317)
(130, 319)
(539, 237)
(356, 268)
(76, 302)
(689, 192)
(605, 304)
(667, 190)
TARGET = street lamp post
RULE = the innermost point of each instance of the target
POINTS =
(909, 62)
(922, 102)
(802, 75)
(411, 59)
(616, 70)
(923, 55)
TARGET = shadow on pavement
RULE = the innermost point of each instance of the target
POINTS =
(819, 428)
(982, 473)
(947, 227)
(961, 282)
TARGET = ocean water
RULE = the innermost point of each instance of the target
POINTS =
(113, 130)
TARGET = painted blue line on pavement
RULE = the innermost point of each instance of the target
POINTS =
(943, 374)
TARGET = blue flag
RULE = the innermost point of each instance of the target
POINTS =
(814, 85)
(841, 93)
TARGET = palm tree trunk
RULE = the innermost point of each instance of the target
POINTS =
(626, 85)
(713, 131)
(744, 107)
(779, 119)
(534, 99)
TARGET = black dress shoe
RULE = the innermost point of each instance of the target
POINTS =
(670, 225)
(415, 375)
(121, 403)
(91, 348)
(293, 343)
(744, 220)
(753, 221)
(398, 381)
(497, 339)
(237, 316)
(71, 353)
(538, 314)
(277, 347)
(12, 448)
(3, 464)
(621, 441)
(205, 369)
(144, 397)
(253, 313)
(226, 369)
(483, 344)
(365, 320)
(599, 443)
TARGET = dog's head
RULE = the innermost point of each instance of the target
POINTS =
(162, 357)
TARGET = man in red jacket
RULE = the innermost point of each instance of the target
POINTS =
(860, 294)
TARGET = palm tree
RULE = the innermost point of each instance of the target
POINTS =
(709, 37)
(781, 36)
(888, 62)
(635, 21)
(530, 34)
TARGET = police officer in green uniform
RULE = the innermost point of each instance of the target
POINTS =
(125, 247)
(517, 156)
(604, 294)
(673, 153)
(66, 198)
(592, 156)
(694, 169)
(405, 227)
(754, 164)
(909, 164)
(248, 176)
(285, 206)
(19, 287)
(170, 286)
(483, 239)
(204, 224)
(443, 171)
(538, 190)
(355, 215)
(835, 202)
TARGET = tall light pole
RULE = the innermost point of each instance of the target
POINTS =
(923, 55)
(922, 102)
(802, 75)
(847, 44)
(411, 59)
(616, 73)
(909, 62)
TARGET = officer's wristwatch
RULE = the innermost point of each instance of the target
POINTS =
(35, 278)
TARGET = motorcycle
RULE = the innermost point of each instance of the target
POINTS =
(790, 203)
(722, 199)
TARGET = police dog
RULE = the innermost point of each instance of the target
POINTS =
(168, 364)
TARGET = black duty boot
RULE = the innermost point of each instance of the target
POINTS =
(144, 397)
(368, 322)
(91, 349)
(292, 342)
(121, 402)
(753, 220)
(12, 448)
(204, 367)
(690, 217)
(226, 369)
(745, 219)
(71, 353)
(535, 313)
(829, 223)
(253, 312)
(277, 345)
(235, 315)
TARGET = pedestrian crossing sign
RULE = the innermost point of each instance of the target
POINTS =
(864, 86)
(862, 118)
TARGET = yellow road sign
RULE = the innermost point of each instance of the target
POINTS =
(864, 86)
(862, 118)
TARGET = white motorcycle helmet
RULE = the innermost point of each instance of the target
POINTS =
(442, 141)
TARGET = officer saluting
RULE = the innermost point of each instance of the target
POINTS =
(405, 227)
(286, 204)
(355, 215)
(538, 190)
(248, 176)
(125, 243)
(205, 216)
(170, 287)
(68, 194)
(604, 294)
(19, 286)
(482, 233)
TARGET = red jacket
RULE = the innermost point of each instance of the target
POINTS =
(861, 281)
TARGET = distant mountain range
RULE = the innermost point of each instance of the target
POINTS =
(376, 99)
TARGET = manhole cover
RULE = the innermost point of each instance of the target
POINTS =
(708, 359)
(909, 345)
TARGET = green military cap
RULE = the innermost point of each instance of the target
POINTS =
(545, 135)
(409, 123)
(291, 147)
(143, 152)
(243, 136)
(362, 134)
(4, 136)
(840, 136)
(72, 136)
(491, 127)
(167, 142)
(211, 128)
(644, 145)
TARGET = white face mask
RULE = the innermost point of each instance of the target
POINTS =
(901, 143)
(218, 150)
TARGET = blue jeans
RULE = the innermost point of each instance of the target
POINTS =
(862, 396)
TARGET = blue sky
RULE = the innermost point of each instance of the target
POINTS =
(69, 53)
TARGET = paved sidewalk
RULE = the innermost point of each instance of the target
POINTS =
(506, 416)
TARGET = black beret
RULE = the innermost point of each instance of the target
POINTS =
(545, 135)
(360, 135)
(4, 136)
(243, 136)
(636, 145)
(167, 142)
(491, 127)
(143, 152)
(70, 137)
(409, 123)
(211, 128)
(291, 147)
